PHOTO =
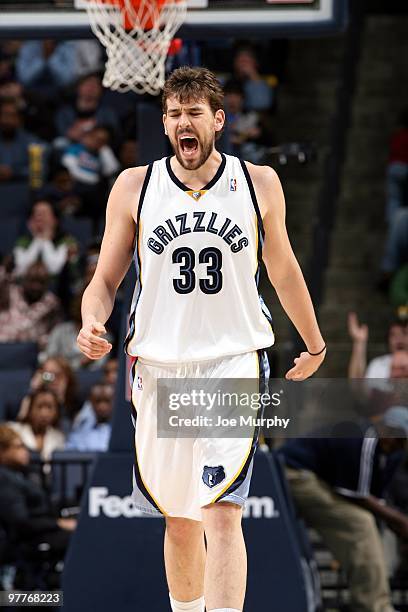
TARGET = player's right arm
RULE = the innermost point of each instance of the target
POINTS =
(113, 262)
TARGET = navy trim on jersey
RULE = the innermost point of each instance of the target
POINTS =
(261, 237)
(263, 380)
(184, 187)
(136, 258)
(255, 203)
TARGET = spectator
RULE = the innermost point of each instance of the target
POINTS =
(110, 375)
(110, 371)
(45, 242)
(45, 66)
(245, 132)
(338, 485)
(29, 311)
(397, 169)
(14, 144)
(380, 367)
(39, 429)
(92, 431)
(25, 511)
(88, 57)
(91, 162)
(259, 96)
(61, 191)
(56, 374)
(87, 111)
(7, 59)
(63, 341)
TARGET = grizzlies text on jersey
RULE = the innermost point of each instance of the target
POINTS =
(197, 257)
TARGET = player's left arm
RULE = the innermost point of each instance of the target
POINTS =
(284, 271)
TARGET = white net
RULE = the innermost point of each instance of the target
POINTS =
(137, 36)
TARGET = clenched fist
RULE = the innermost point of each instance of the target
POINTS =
(90, 340)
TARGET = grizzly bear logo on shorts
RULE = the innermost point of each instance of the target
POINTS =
(213, 475)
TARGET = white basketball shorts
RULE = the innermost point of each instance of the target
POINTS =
(178, 476)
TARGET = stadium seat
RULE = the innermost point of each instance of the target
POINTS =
(14, 384)
(10, 230)
(86, 379)
(18, 355)
(70, 472)
(14, 200)
(81, 229)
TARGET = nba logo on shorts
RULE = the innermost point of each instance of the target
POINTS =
(139, 383)
(233, 184)
(213, 475)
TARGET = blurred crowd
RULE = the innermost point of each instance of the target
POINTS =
(394, 264)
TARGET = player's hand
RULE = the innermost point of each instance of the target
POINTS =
(305, 366)
(90, 341)
(358, 333)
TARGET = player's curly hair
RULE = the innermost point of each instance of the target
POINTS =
(187, 83)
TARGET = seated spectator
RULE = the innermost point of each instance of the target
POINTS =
(92, 158)
(37, 113)
(56, 374)
(259, 96)
(60, 190)
(63, 341)
(397, 169)
(88, 110)
(380, 367)
(25, 511)
(245, 132)
(45, 66)
(39, 429)
(92, 164)
(45, 242)
(28, 310)
(14, 144)
(338, 487)
(8, 54)
(92, 429)
(110, 371)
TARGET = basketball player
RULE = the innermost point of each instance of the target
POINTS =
(197, 224)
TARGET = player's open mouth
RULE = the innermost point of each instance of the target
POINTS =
(188, 145)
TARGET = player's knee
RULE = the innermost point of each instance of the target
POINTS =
(222, 520)
(180, 530)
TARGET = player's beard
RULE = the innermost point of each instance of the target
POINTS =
(206, 148)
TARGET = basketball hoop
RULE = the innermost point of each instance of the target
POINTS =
(137, 35)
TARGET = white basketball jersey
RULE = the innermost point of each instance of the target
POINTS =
(197, 261)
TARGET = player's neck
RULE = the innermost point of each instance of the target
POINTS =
(196, 179)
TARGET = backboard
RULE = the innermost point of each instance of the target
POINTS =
(206, 18)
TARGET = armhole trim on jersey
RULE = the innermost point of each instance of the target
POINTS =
(254, 200)
(137, 259)
(143, 191)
